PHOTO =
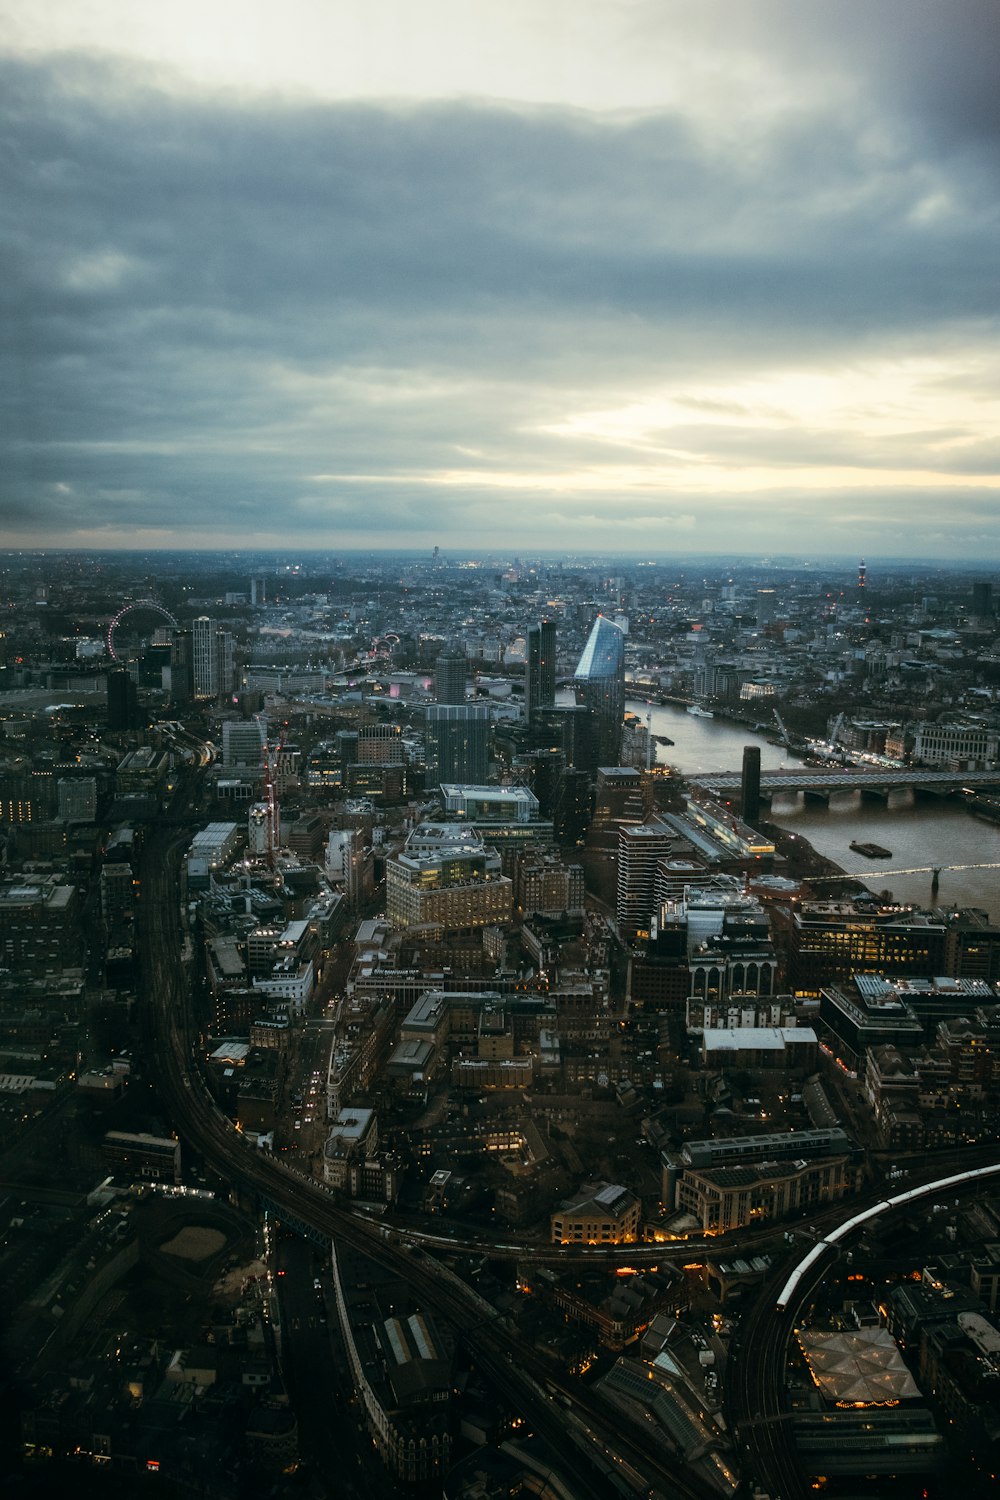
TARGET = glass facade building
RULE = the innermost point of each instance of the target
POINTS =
(599, 683)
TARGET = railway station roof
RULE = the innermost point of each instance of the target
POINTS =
(858, 1368)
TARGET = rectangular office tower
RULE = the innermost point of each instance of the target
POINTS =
(179, 680)
(540, 668)
(243, 742)
(214, 661)
(458, 743)
(451, 670)
(123, 700)
(203, 655)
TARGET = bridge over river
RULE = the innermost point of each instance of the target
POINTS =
(826, 781)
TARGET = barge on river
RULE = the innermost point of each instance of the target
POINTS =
(871, 851)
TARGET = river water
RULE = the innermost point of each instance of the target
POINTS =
(919, 832)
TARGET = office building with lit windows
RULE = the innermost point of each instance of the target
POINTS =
(603, 1214)
(829, 941)
(724, 1198)
(454, 888)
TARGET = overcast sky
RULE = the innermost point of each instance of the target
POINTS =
(620, 275)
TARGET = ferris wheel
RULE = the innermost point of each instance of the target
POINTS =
(136, 606)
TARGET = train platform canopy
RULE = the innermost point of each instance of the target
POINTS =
(862, 1368)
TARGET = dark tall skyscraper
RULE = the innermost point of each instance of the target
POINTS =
(544, 769)
(181, 667)
(155, 661)
(566, 727)
(572, 811)
(540, 668)
(600, 686)
(450, 672)
(982, 598)
(123, 701)
(458, 743)
(750, 784)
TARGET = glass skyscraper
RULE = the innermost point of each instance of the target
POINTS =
(599, 682)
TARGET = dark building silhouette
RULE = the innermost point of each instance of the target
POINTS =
(457, 743)
(346, 741)
(543, 770)
(540, 668)
(123, 700)
(750, 785)
(155, 660)
(565, 727)
(572, 811)
(181, 667)
(982, 598)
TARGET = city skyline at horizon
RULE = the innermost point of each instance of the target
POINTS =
(515, 555)
(662, 281)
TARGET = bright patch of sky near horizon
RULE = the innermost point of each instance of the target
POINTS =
(594, 56)
(717, 276)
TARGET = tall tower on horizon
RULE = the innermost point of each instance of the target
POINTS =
(862, 574)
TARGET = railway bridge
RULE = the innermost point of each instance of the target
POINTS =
(824, 782)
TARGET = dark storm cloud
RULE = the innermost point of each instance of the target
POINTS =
(210, 301)
(933, 61)
(927, 68)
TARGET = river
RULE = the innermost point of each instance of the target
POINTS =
(919, 832)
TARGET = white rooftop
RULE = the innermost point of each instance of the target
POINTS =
(762, 1038)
